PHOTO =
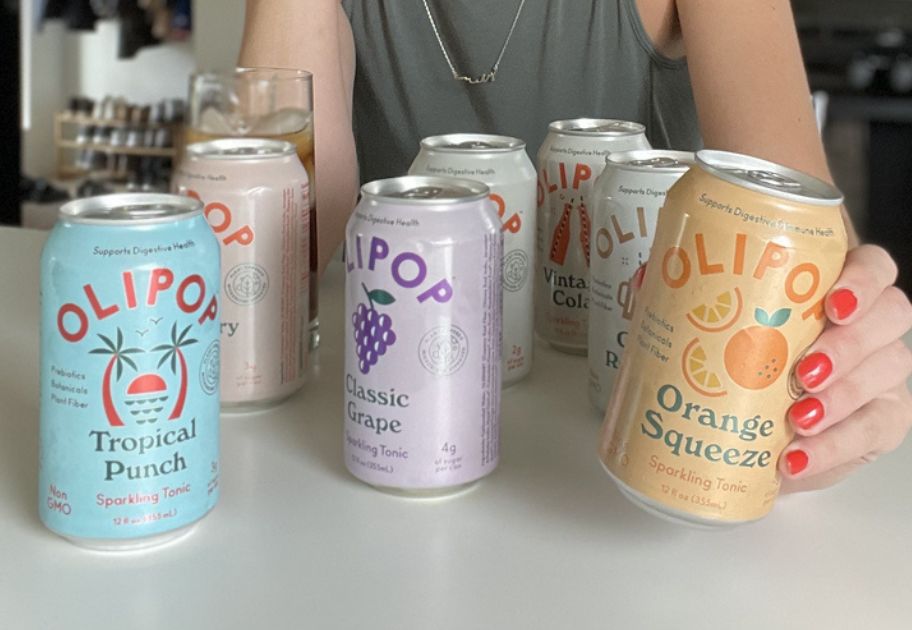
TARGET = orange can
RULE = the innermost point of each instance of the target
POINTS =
(744, 254)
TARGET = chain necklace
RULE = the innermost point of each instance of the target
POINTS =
(487, 77)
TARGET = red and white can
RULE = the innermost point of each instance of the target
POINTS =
(501, 163)
(256, 196)
(569, 161)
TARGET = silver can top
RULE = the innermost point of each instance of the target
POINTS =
(240, 149)
(130, 208)
(472, 143)
(425, 190)
(769, 178)
(597, 127)
(651, 160)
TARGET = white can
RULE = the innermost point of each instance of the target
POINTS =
(501, 163)
(256, 196)
(422, 341)
(627, 199)
(570, 159)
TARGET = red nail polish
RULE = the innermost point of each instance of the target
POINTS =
(805, 413)
(814, 369)
(796, 461)
(843, 303)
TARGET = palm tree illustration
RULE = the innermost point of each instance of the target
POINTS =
(172, 352)
(119, 357)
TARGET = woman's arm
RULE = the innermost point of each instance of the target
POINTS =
(315, 35)
(752, 96)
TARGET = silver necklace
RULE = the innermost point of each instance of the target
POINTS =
(487, 77)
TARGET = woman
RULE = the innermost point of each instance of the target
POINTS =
(436, 66)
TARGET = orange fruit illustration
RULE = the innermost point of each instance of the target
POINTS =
(756, 356)
(697, 373)
(718, 315)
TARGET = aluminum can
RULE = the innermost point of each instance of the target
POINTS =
(129, 429)
(569, 161)
(627, 198)
(501, 163)
(423, 335)
(745, 251)
(255, 193)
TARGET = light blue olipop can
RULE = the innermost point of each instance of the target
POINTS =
(129, 452)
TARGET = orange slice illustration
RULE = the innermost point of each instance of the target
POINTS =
(697, 373)
(719, 314)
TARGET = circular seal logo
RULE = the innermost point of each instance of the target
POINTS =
(246, 283)
(209, 368)
(515, 270)
(443, 350)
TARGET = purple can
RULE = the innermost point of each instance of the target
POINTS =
(423, 335)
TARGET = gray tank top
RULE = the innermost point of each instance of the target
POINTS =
(567, 59)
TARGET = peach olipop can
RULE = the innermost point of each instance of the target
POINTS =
(255, 193)
(627, 199)
(569, 161)
(129, 429)
(744, 253)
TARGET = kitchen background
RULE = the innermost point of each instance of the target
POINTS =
(858, 54)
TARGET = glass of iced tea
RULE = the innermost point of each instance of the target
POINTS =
(273, 103)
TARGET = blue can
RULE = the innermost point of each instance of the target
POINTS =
(129, 444)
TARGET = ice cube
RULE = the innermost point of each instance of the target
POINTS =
(284, 121)
(215, 122)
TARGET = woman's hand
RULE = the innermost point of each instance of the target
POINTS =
(857, 405)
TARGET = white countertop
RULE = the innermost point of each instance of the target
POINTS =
(545, 542)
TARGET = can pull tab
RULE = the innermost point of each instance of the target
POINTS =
(246, 151)
(657, 162)
(616, 126)
(773, 180)
(471, 144)
(422, 192)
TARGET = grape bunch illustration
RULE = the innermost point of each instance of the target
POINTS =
(373, 330)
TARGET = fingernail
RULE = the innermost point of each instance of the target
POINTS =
(796, 461)
(814, 369)
(805, 413)
(843, 303)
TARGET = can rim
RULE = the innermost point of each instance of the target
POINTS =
(622, 160)
(443, 143)
(748, 172)
(160, 208)
(234, 149)
(571, 127)
(383, 189)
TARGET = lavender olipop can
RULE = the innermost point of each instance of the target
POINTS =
(423, 335)
(129, 425)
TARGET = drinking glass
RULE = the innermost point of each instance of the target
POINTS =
(273, 103)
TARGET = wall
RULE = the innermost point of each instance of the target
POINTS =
(154, 73)
(48, 94)
(217, 29)
(66, 63)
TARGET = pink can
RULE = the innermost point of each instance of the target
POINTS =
(423, 306)
(256, 196)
